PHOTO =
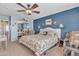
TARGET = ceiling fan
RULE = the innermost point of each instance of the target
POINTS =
(29, 10)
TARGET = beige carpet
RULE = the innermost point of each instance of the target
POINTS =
(16, 49)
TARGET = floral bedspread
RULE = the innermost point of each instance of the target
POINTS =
(39, 43)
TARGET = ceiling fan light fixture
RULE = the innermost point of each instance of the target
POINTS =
(29, 12)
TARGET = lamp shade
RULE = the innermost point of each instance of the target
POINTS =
(39, 27)
(61, 26)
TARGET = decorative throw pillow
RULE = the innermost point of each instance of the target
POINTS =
(45, 33)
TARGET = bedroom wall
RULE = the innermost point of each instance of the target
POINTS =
(4, 17)
(14, 26)
(69, 18)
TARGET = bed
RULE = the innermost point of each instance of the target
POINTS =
(41, 42)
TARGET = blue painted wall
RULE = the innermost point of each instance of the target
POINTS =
(69, 18)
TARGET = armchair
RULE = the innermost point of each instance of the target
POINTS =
(71, 43)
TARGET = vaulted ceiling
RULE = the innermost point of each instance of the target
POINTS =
(10, 9)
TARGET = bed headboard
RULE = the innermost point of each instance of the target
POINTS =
(57, 31)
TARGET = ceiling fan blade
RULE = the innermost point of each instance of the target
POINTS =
(20, 10)
(36, 12)
(34, 6)
(21, 5)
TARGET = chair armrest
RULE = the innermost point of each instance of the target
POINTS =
(66, 42)
(66, 39)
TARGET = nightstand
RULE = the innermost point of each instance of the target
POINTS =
(61, 42)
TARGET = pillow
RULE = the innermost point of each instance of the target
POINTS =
(45, 33)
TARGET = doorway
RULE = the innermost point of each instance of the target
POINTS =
(4, 28)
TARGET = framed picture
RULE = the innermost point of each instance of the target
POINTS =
(48, 22)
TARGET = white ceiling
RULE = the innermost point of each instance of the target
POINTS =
(8, 9)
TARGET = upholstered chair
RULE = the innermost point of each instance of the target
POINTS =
(71, 43)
